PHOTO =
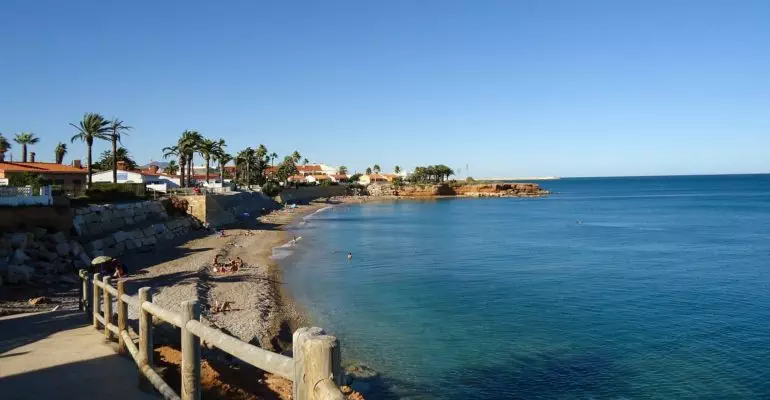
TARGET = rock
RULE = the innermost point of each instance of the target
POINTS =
(58, 238)
(138, 243)
(84, 259)
(18, 273)
(108, 241)
(128, 220)
(96, 245)
(148, 231)
(168, 235)
(46, 267)
(63, 249)
(40, 233)
(44, 254)
(149, 241)
(20, 240)
(97, 253)
(19, 257)
(75, 248)
(39, 300)
(120, 236)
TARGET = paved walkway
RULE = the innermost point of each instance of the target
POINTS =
(58, 355)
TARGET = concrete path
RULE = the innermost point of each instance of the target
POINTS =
(58, 355)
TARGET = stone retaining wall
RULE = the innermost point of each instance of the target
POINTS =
(97, 220)
(118, 242)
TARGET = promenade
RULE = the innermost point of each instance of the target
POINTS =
(58, 355)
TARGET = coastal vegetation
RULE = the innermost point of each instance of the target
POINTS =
(107, 160)
(59, 152)
(5, 145)
(25, 139)
(92, 126)
(431, 174)
(117, 128)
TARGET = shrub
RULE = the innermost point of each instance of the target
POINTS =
(116, 192)
(271, 188)
(175, 206)
(26, 179)
(326, 182)
(470, 179)
(354, 178)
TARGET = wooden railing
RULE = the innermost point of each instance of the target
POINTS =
(314, 369)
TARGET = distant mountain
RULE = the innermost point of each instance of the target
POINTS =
(160, 164)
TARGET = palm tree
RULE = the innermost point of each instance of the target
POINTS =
(5, 145)
(223, 158)
(296, 156)
(397, 169)
(246, 156)
(117, 129)
(93, 126)
(343, 170)
(305, 162)
(191, 144)
(25, 139)
(207, 148)
(273, 156)
(174, 151)
(61, 150)
(368, 171)
(377, 168)
(171, 168)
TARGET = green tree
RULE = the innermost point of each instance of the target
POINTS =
(106, 160)
(261, 160)
(296, 157)
(377, 168)
(193, 141)
(171, 168)
(5, 145)
(207, 148)
(184, 149)
(25, 139)
(397, 169)
(305, 162)
(354, 178)
(117, 129)
(59, 152)
(173, 151)
(93, 126)
(287, 169)
(368, 171)
(245, 158)
(343, 170)
(273, 156)
(222, 158)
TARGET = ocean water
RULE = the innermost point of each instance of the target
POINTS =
(614, 288)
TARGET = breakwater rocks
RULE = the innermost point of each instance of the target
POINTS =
(458, 189)
(38, 256)
(112, 229)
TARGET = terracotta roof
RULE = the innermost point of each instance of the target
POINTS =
(42, 168)
(309, 168)
(339, 176)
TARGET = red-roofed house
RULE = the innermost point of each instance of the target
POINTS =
(69, 177)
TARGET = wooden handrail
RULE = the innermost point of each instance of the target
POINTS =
(166, 315)
(265, 360)
(315, 369)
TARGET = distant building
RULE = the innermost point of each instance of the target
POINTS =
(317, 179)
(372, 178)
(68, 177)
(338, 178)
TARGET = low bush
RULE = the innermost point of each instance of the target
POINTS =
(271, 188)
(100, 192)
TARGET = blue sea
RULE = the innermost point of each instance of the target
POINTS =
(610, 288)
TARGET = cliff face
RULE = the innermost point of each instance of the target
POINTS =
(461, 189)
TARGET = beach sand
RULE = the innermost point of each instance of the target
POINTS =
(262, 312)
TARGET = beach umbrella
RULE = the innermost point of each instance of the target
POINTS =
(101, 260)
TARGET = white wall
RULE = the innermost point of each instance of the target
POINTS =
(26, 199)
(123, 177)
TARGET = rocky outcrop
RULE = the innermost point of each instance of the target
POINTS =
(40, 257)
(458, 189)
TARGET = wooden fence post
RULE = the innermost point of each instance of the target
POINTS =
(300, 391)
(322, 367)
(95, 307)
(122, 316)
(107, 307)
(191, 353)
(145, 329)
(84, 291)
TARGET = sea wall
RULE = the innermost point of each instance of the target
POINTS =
(57, 218)
(113, 229)
(227, 208)
(304, 194)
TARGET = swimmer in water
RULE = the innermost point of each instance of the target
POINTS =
(350, 256)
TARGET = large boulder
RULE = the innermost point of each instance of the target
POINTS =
(63, 249)
(76, 248)
(16, 273)
(58, 238)
(20, 240)
(19, 257)
(46, 267)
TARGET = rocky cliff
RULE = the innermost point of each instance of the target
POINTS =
(459, 189)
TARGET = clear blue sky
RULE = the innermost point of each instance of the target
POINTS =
(512, 88)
